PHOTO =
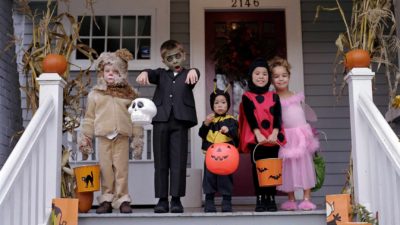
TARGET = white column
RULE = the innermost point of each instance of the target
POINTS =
(52, 86)
(359, 80)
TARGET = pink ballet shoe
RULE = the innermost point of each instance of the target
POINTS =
(307, 205)
(289, 205)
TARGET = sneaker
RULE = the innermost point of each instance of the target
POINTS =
(176, 205)
(289, 205)
(307, 205)
(105, 207)
(162, 206)
(260, 204)
(125, 207)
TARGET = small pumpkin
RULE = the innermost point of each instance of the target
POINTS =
(54, 63)
(357, 58)
(85, 201)
(222, 159)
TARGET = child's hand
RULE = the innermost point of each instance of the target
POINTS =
(273, 137)
(192, 77)
(259, 136)
(209, 119)
(143, 78)
(224, 129)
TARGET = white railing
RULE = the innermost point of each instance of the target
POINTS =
(375, 152)
(30, 178)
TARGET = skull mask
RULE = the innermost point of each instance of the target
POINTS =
(142, 111)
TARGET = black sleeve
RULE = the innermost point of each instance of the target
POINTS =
(203, 131)
(277, 112)
(154, 75)
(232, 125)
(248, 107)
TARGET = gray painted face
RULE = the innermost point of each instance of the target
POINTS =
(174, 59)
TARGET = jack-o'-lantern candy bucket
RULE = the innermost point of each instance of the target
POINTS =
(269, 171)
(222, 158)
(87, 178)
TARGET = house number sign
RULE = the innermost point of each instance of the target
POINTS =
(244, 3)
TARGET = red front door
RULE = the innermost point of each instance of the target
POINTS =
(223, 27)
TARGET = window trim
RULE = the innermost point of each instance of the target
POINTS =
(159, 10)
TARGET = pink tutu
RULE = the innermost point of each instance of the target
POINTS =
(298, 167)
(300, 140)
(297, 174)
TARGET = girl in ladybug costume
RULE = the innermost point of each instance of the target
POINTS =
(218, 127)
(260, 125)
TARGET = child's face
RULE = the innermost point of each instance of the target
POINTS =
(280, 78)
(174, 59)
(260, 76)
(111, 74)
(220, 105)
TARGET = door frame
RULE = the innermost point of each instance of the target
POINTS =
(197, 52)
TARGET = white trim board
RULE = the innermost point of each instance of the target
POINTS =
(197, 52)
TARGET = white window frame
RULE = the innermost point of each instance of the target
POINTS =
(159, 10)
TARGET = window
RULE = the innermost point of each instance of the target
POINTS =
(109, 33)
(139, 26)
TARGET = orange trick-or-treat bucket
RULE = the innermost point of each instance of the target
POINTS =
(87, 178)
(269, 171)
(222, 159)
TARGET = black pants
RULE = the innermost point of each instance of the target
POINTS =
(170, 145)
(263, 152)
(213, 183)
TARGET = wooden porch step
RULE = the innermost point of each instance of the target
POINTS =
(242, 215)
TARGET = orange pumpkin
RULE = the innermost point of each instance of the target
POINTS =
(357, 58)
(85, 200)
(54, 63)
(222, 159)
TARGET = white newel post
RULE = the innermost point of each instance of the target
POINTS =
(359, 80)
(52, 86)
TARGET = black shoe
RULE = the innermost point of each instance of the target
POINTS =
(226, 205)
(162, 206)
(105, 207)
(260, 204)
(209, 205)
(271, 204)
(176, 205)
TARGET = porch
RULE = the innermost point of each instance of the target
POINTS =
(243, 214)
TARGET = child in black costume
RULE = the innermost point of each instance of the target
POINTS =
(176, 114)
(218, 127)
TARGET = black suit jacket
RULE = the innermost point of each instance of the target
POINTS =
(172, 94)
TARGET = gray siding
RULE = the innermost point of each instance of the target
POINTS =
(10, 110)
(319, 52)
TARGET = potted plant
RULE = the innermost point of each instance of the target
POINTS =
(56, 36)
(371, 29)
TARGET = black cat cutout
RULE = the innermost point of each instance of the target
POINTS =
(58, 212)
(88, 178)
(276, 177)
(262, 170)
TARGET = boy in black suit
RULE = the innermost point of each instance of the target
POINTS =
(176, 113)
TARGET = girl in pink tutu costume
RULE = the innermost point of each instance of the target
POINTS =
(298, 168)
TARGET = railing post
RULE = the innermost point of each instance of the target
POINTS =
(52, 86)
(359, 80)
